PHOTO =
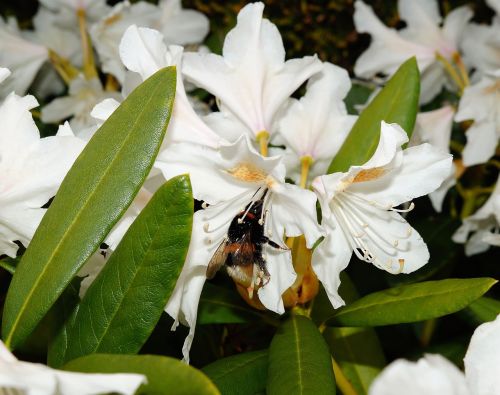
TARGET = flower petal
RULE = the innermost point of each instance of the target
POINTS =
(330, 258)
(430, 375)
(483, 358)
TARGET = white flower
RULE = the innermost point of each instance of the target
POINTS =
(22, 57)
(435, 375)
(315, 127)
(31, 170)
(481, 103)
(481, 47)
(251, 79)
(67, 10)
(423, 37)
(360, 214)
(83, 95)
(230, 179)
(483, 222)
(434, 127)
(143, 51)
(37, 379)
(178, 26)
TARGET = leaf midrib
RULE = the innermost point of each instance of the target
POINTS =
(404, 299)
(23, 308)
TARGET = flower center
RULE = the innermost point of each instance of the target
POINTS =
(248, 172)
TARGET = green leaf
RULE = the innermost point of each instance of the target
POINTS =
(356, 350)
(412, 303)
(242, 374)
(483, 310)
(125, 301)
(299, 360)
(358, 353)
(220, 305)
(95, 193)
(397, 103)
(165, 375)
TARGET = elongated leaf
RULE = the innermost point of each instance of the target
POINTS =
(483, 310)
(356, 350)
(397, 103)
(299, 360)
(165, 375)
(242, 374)
(124, 303)
(358, 353)
(412, 303)
(221, 306)
(95, 193)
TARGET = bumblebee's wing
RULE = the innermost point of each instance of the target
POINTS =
(218, 259)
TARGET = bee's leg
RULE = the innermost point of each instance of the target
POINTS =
(267, 240)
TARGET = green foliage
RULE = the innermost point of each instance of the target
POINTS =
(163, 374)
(243, 374)
(412, 303)
(397, 103)
(483, 310)
(142, 273)
(299, 360)
(95, 193)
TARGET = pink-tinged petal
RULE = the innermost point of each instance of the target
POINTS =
(22, 57)
(480, 45)
(423, 170)
(434, 127)
(387, 50)
(282, 277)
(430, 375)
(482, 139)
(483, 359)
(330, 258)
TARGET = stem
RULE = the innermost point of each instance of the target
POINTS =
(305, 163)
(451, 71)
(342, 382)
(63, 67)
(263, 139)
(461, 68)
(89, 69)
(427, 332)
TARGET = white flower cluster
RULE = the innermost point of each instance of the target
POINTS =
(463, 57)
(240, 156)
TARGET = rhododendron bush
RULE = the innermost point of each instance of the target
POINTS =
(187, 206)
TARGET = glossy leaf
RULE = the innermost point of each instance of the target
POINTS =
(242, 374)
(299, 360)
(165, 375)
(397, 103)
(483, 310)
(358, 353)
(95, 193)
(220, 305)
(356, 350)
(124, 303)
(412, 303)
